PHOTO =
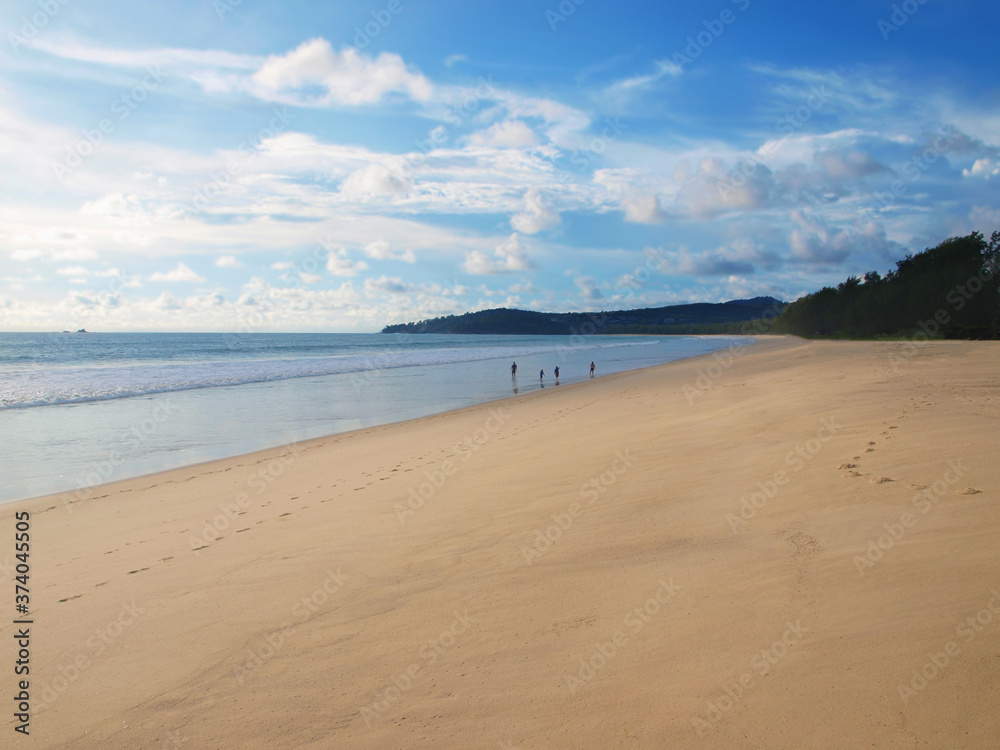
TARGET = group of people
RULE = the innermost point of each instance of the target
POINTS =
(541, 373)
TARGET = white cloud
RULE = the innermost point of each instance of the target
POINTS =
(643, 209)
(848, 164)
(537, 216)
(281, 265)
(985, 167)
(167, 301)
(507, 257)
(588, 288)
(348, 77)
(506, 134)
(375, 179)
(382, 250)
(393, 285)
(310, 278)
(180, 273)
(622, 90)
(812, 242)
(73, 271)
(339, 264)
(228, 261)
(451, 60)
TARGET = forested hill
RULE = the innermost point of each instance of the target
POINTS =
(703, 317)
(948, 291)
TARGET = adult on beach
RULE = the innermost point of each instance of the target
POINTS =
(513, 369)
(592, 366)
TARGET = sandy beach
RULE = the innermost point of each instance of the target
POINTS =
(792, 545)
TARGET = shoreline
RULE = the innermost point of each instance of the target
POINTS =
(768, 559)
(99, 488)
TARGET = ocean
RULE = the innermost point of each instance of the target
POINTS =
(81, 409)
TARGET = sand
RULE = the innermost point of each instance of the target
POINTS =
(795, 547)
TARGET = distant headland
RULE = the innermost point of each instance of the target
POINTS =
(696, 318)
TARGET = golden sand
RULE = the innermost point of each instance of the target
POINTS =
(796, 545)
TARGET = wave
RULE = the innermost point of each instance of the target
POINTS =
(24, 388)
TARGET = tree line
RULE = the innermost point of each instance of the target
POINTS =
(947, 291)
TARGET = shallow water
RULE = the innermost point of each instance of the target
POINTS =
(77, 410)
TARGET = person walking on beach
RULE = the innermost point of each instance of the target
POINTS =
(591, 369)
(541, 374)
(513, 369)
(557, 373)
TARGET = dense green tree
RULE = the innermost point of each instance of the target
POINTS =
(950, 290)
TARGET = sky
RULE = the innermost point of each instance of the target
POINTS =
(240, 165)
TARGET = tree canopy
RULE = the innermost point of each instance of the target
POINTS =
(948, 291)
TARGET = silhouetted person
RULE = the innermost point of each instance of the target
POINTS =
(592, 366)
(513, 369)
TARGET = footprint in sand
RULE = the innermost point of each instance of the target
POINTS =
(969, 491)
(803, 545)
(918, 486)
(848, 466)
(139, 570)
(70, 598)
(881, 480)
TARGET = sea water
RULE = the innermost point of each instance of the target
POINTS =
(82, 409)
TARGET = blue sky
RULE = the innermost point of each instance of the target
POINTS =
(225, 165)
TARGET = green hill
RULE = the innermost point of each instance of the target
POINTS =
(697, 318)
